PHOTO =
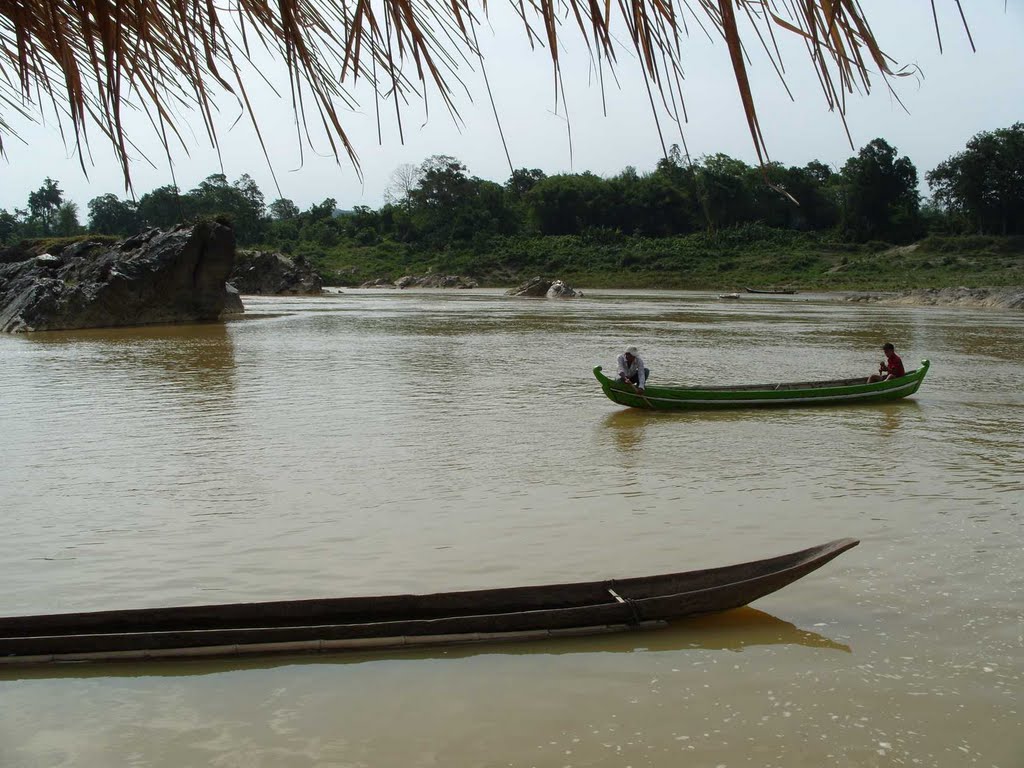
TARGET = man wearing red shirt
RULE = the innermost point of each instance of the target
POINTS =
(890, 368)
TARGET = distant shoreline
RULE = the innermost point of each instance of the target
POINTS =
(1003, 297)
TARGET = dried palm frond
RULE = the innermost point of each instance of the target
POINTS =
(91, 59)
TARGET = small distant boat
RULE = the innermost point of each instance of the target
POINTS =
(782, 291)
(728, 295)
(400, 621)
(835, 392)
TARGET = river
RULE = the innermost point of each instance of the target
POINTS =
(374, 442)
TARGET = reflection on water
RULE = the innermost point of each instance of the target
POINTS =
(627, 428)
(197, 357)
(733, 631)
(377, 443)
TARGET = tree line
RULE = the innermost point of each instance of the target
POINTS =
(438, 205)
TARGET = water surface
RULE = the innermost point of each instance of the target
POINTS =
(381, 441)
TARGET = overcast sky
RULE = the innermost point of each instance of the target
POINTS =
(959, 94)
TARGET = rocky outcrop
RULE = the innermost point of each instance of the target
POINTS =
(996, 298)
(540, 286)
(436, 281)
(273, 274)
(173, 276)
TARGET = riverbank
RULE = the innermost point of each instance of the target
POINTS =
(731, 260)
(993, 298)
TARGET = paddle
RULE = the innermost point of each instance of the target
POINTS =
(636, 391)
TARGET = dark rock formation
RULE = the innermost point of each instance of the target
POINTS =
(540, 286)
(173, 276)
(272, 274)
(435, 281)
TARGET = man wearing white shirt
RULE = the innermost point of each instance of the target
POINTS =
(632, 370)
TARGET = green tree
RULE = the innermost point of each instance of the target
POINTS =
(43, 204)
(109, 215)
(163, 207)
(880, 197)
(66, 219)
(283, 208)
(726, 187)
(523, 180)
(322, 210)
(815, 205)
(241, 202)
(249, 207)
(984, 184)
(447, 206)
(10, 226)
(568, 204)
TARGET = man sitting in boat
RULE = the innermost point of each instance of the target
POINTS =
(632, 370)
(890, 368)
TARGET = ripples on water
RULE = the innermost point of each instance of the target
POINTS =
(377, 442)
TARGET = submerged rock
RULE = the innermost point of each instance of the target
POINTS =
(173, 276)
(271, 274)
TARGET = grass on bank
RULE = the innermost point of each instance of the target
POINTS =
(752, 256)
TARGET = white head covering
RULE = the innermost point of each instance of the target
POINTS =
(631, 350)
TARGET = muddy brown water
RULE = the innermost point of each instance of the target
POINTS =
(377, 442)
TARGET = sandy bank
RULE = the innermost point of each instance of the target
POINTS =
(995, 298)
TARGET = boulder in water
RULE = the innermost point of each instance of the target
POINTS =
(273, 274)
(156, 277)
(542, 286)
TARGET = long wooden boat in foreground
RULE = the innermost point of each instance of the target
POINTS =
(835, 392)
(778, 291)
(510, 614)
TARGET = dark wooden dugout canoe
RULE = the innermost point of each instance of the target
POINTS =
(516, 613)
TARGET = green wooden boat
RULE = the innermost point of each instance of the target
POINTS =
(838, 391)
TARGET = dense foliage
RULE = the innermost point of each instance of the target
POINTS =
(686, 222)
(984, 185)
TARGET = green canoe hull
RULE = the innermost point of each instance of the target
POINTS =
(814, 393)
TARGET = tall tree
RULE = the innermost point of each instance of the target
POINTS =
(9, 226)
(985, 182)
(880, 197)
(726, 187)
(66, 219)
(43, 204)
(249, 207)
(404, 179)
